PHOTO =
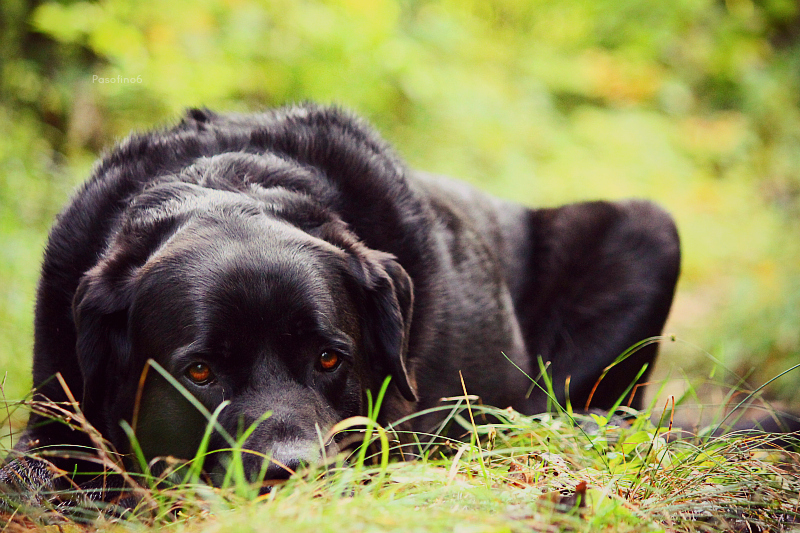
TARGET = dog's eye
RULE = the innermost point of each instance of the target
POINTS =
(200, 373)
(329, 360)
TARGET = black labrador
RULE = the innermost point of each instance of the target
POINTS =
(288, 262)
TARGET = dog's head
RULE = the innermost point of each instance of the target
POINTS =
(260, 299)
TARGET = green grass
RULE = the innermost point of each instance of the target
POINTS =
(549, 472)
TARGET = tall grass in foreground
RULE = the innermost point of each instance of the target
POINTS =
(508, 472)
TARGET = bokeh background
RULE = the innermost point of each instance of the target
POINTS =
(691, 103)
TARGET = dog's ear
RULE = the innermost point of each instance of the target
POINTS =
(105, 293)
(100, 311)
(386, 302)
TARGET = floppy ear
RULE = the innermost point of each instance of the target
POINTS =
(100, 310)
(105, 293)
(387, 301)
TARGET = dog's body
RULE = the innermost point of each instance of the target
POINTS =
(287, 262)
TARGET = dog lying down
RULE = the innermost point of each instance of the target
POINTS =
(288, 262)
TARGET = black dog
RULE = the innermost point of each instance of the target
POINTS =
(287, 262)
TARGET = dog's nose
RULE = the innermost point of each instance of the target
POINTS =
(278, 469)
(287, 457)
(281, 467)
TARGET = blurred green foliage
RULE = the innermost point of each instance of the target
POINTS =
(693, 103)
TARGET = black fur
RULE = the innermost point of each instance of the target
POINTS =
(254, 243)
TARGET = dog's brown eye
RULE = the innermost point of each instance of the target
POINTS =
(200, 373)
(329, 360)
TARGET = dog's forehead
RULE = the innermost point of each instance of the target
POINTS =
(266, 277)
